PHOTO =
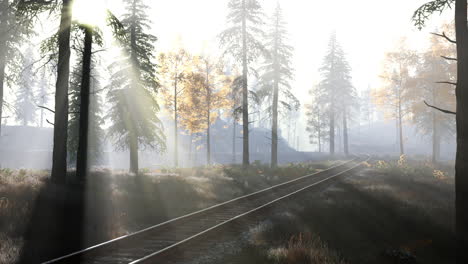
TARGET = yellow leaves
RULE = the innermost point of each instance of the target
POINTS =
(440, 175)
(402, 162)
(381, 164)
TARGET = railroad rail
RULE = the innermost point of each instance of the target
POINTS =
(152, 244)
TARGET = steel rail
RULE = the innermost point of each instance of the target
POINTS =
(113, 244)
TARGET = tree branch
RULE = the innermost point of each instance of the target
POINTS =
(443, 35)
(46, 108)
(451, 83)
(449, 58)
(50, 123)
(440, 109)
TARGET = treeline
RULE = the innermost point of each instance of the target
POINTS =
(254, 71)
(415, 86)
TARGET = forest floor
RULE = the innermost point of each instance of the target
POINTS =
(391, 212)
(36, 216)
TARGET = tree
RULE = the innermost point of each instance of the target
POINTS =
(24, 105)
(59, 156)
(134, 87)
(394, 97)
(42, 97)
(96, 133)
(174, 68)
(214, 94)
(316, 120)
(336, 93)
(367, 109)
(276, 75)
(191, 118)
(432, 83)
(242, 40)
(461, 165)
(13, 26)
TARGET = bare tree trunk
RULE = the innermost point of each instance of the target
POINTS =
(133, 147)
(274, 127)
(435, 132)
(2, 79)
(332, 131)
(3, 53)
(234, 128)
(435, 139)
(59, 159)
(82, 153)
(345, 133)
(400, 128)
(190, 159)
(176, 132)
(461, 167)
(208, 139)
(245, 93)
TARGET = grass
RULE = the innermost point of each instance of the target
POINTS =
(393, 212)
(112, 204)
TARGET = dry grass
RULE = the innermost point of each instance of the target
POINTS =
(115, 203)
(304, 249)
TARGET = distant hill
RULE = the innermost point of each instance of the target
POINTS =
(31, 147)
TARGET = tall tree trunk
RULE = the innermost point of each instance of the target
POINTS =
(2, 80)
(234, 128)
(345, 133)
(208, 116)
(133, 147)
(176, 130)
(435, 139)
(332, 130)
(59, 159)
(461, 167)
(190, 149)
(3, 53)
(82, 153)
(133, 130)
(245, 93)
(274, 126)
(400, 128)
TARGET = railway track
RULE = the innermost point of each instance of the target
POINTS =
(161, 243)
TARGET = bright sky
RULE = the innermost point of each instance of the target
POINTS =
(365, 28)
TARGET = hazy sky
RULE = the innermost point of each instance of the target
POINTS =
(365, 28)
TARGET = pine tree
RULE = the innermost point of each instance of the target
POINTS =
(42, 97)
(13, 27)
(337, 94)
(133, 88)
(242, 40)
(25, 108)
(276, 75)
(96, 133)
(316, 121)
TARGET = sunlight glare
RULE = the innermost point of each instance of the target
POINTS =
(90, 12)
